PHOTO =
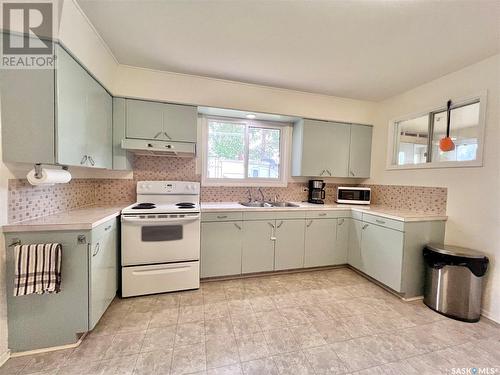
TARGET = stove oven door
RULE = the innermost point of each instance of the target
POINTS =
(148, 239)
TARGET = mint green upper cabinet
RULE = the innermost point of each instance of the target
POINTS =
(340, 255)
(72, 101)
(99, 125)
(320, 149)
(382, 254)
(28, 106)
(354, 244)
(289, 247)
(320, 241)
(258, 246)
(162, 121)
(144, 119)
(221, 244)
(360, 151)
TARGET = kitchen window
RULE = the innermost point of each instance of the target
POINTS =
(415, 139)
(244, 152)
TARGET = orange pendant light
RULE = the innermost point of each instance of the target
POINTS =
(446, 144)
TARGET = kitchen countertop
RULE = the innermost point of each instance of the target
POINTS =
(77, 219)
(90, 217)
(389, 213)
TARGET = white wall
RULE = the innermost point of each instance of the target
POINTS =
(473, 193)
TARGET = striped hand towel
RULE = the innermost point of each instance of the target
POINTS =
(38, 269)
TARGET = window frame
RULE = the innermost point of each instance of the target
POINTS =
(284, 129)
(392, 149)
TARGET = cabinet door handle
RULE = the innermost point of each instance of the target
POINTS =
(271, 225)
(341, 221)
(237, 226)
(92, 162)
(107, 228)
(280, 224)
(352, 173)
(329, 173)
(365, 226)
(309, 224)
(322, 172)
(166, 135)
(157, 135)
(97, 248)
(380, 221)
(84, 159)
(221, 216)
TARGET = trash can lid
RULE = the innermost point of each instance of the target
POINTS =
(457, 251)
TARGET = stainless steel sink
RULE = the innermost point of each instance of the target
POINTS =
(268, 204)
(284, 204)
(256, 204)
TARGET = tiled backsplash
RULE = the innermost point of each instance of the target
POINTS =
(29, 202)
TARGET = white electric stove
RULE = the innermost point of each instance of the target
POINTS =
(161, 238)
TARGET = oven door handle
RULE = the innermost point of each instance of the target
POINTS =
(134, 220)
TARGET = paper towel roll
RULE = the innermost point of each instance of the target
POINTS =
(49, 177)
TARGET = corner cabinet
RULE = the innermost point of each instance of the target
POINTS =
(56, 116)
(89, 283)
(330, 149)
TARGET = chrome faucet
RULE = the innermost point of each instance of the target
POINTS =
(261, 194)
(249, 192)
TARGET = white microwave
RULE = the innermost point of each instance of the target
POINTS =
(353, 195)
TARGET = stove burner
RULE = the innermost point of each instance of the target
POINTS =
(144, 206)
(185, 205)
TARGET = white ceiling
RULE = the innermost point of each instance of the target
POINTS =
(359, 49)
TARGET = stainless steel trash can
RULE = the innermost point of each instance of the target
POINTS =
(454, 281)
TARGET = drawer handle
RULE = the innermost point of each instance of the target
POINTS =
(96, 251)
(380, 221)
(322, 214)
(108, 227)
(84, 159)
(280, 224)
(221, 216)
(341, 221)
(365, 226)
(237, 226)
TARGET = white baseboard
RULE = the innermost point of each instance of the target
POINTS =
(487, 315)
(51, 349)
(4, 357)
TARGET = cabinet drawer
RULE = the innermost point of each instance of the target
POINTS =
(357, 215)
(290, 214)
(325, 214)
(221, 216)
(259, 215)
(382, 221)
(103, 229)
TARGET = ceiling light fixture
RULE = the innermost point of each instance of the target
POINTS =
(250, 116)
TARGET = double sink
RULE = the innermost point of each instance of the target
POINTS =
(268, 204)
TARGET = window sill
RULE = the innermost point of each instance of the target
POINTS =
(245, 183)
(436, 165)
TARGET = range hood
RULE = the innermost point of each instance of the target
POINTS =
(159, 148)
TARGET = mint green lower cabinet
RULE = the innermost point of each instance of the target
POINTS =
(103, 261)
(88, 285)
(382, 254)
(342, 243)
(289, 247)
(258, 246)
(320, 239)
(354, 244)
(221, 248)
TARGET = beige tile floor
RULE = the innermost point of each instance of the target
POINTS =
(321, 322)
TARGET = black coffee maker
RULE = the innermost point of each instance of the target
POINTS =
(316, 191)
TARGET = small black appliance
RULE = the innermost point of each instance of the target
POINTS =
(316, 191)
